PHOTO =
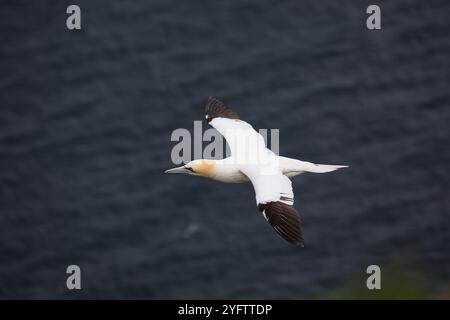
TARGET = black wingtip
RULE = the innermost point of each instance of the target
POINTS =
(285, 220)
(217, 109)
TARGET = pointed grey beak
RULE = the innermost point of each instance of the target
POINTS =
(181, 169)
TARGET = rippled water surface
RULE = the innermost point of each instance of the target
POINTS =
(85, 125)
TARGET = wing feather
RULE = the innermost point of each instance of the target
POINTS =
(275, 200)
(285, 220)
(244, 141)
(217, 109)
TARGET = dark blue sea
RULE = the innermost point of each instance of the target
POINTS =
(86, 118)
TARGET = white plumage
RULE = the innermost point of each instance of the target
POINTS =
(250, 160)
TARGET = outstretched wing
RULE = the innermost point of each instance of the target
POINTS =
(275, 200)
(243, 140)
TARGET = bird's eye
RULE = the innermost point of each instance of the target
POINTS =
(189, 168)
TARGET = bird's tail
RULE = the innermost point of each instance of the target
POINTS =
(322, 168)
(293, 167)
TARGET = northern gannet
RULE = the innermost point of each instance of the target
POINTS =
(250, 160)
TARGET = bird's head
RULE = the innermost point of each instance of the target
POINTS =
(202, 167)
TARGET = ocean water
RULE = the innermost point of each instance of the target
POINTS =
(85, 124)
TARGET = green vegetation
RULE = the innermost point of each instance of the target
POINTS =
(400, 280)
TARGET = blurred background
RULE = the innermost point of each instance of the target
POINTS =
(85, 124)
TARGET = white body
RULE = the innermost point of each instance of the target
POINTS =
(228, 171)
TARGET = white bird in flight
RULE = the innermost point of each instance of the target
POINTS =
(250, 160)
